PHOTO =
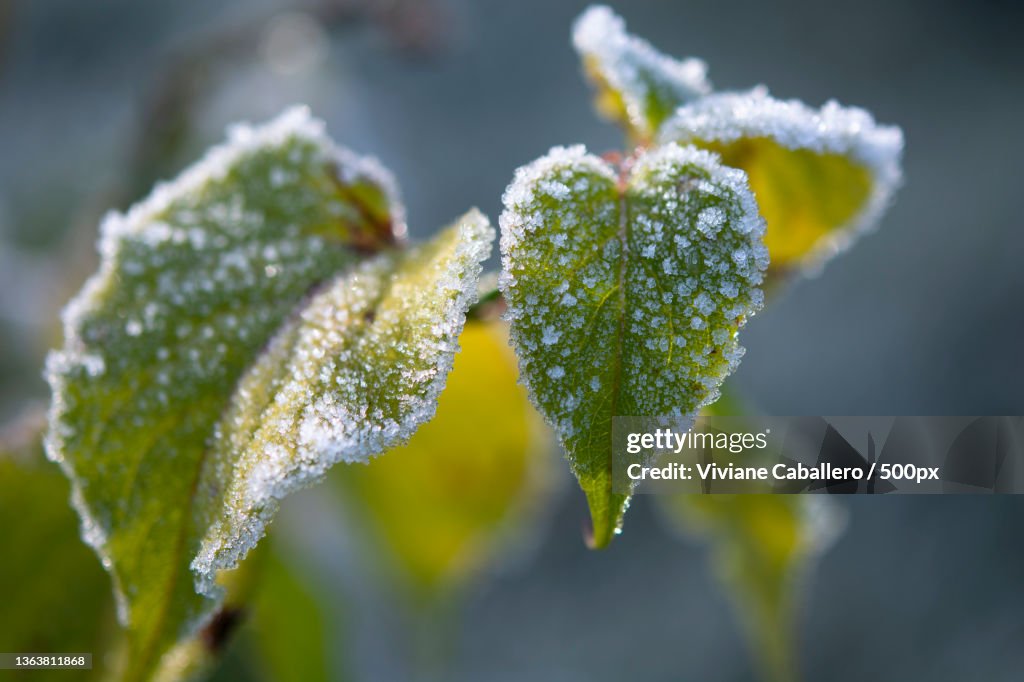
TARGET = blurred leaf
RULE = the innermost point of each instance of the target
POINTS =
(290, 626)
(729, 404)
(762, 548)
(443, 505)
(626, 295)
(56, 597)
(62, 602)
(821, 177)
(194, 282)
(284, 626)
(637, 86)
(199, 655)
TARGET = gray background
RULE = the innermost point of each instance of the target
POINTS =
(923, 317)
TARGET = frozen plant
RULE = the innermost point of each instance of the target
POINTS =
(664, 253)
(262, 317)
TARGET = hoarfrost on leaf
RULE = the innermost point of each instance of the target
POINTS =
(637, 86)
(445, 506)
(355, 373)
(194, 282)
(821, 176)
(638, 351)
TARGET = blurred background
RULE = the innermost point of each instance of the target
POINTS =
(99, 99)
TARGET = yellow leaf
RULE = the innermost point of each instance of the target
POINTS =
(821, 177)
(762, 546)
(805, 195)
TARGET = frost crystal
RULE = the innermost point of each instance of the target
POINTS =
(639, 86)
(193, 283)
(356, 373)
(658, 314)
(829, 148)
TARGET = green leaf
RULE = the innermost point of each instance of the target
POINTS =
(354, 374)
(290, 625)
(637, 86)
(626, 295)
(56, 597)
(285, 623)
(194, 283)
(821, 177)
(763, 546)
(441, 507)
(197, 656)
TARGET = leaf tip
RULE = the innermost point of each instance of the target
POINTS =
(637, 85)
(607, 513)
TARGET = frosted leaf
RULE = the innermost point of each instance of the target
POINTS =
(444, 506)
(822, 177)
(355, 373)
(637, 86)
(638, 351)
(193, 282)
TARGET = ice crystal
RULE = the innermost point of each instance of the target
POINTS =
(638, 86)
(843, 168)
(194, 282)
(659, 324)
(356, 373)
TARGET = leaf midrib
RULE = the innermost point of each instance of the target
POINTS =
(623, 235)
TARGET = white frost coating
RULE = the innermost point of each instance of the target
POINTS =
(526, 183)
(734, 180)
(834, 129)
(295, 122)
(648, 264)
(628, 62)
(141, 224)
(325, 406)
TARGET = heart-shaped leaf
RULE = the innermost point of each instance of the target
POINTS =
(626, 294)
(194, 283)
(637, 86)
(821, 177)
